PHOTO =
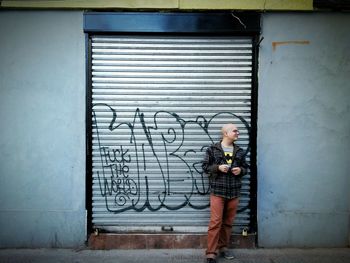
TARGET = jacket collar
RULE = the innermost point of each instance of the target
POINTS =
(218, 145)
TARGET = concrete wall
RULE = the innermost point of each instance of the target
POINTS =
(42, 112)
(304, 130)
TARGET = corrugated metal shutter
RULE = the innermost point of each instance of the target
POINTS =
(158, 101)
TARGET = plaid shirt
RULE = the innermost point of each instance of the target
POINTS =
(226, 185)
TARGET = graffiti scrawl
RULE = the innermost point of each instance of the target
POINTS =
(153, 164)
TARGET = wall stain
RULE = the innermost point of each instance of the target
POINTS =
(293, 42)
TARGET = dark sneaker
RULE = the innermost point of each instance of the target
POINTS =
(227, 255)
(211, 260)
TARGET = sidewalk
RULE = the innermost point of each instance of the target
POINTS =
(318, 255)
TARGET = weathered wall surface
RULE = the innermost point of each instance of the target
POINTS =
(42, 112)
(303, 130)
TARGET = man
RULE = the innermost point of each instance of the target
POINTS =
(225, 165)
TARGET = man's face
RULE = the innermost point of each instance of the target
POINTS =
(232, 132)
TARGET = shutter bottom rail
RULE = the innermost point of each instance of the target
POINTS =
(105, 241)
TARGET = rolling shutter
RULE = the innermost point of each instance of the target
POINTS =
(157, 103)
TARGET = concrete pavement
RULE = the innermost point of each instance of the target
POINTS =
(318, 255)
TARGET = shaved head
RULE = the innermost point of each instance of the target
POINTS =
(226, 128)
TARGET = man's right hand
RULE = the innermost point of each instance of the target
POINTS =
(223, 168)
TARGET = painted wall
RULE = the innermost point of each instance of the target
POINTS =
(304, 130)
(42, 112)
(303, 136)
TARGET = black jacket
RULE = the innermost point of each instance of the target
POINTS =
(226, 185)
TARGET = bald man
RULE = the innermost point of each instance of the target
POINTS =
(225, 164)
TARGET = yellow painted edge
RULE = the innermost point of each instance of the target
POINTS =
(131, 4)
(222, 4)
(296, 5)
(286, 5)
(289, 5)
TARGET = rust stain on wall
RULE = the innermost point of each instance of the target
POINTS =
(293, 42)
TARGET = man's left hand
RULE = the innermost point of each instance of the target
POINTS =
(236, 170)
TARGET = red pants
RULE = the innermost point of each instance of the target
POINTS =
(222, 214)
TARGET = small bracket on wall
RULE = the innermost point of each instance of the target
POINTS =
(260, 40)
(167, 228)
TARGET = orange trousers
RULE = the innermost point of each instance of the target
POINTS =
(222, 214)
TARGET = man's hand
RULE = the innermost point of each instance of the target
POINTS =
(236, 170)
(223, 168)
